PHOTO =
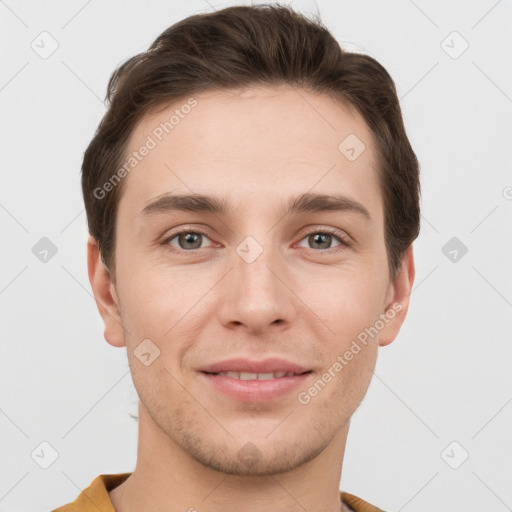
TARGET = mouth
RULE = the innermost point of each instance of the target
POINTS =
(254, 387)
(257, 376)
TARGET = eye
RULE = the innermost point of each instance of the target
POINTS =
(187, 240)
(323, 239)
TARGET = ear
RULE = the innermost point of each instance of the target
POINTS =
(397, 303)
(105, 295)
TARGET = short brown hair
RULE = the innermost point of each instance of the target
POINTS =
(237, 47)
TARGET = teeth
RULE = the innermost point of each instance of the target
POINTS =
(247, 376)
(256, 376)
(265, 376)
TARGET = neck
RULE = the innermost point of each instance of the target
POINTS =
(168, 477)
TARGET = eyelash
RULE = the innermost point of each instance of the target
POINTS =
(341, 237)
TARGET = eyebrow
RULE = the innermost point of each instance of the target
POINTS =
(305, 203)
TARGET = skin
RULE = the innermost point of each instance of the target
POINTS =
(256, 148)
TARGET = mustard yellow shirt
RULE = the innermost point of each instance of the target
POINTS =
(96, 499)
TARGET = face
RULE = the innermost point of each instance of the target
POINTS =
(255, 278)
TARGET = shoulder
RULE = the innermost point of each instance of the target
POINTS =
(95, 497)
(357, 504)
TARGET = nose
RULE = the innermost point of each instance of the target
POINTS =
(255, 295)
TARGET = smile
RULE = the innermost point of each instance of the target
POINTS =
(255, 387)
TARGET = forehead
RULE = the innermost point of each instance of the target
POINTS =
(264, 141)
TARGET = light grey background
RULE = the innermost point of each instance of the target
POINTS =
(447, 377)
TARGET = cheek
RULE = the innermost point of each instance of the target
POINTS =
(337, 392)
(165, 306)
(158, 297)
(347, 303)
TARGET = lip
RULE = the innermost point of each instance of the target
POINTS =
(254, 391)
(270, 365)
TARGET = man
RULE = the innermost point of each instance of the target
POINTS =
(252, 200)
